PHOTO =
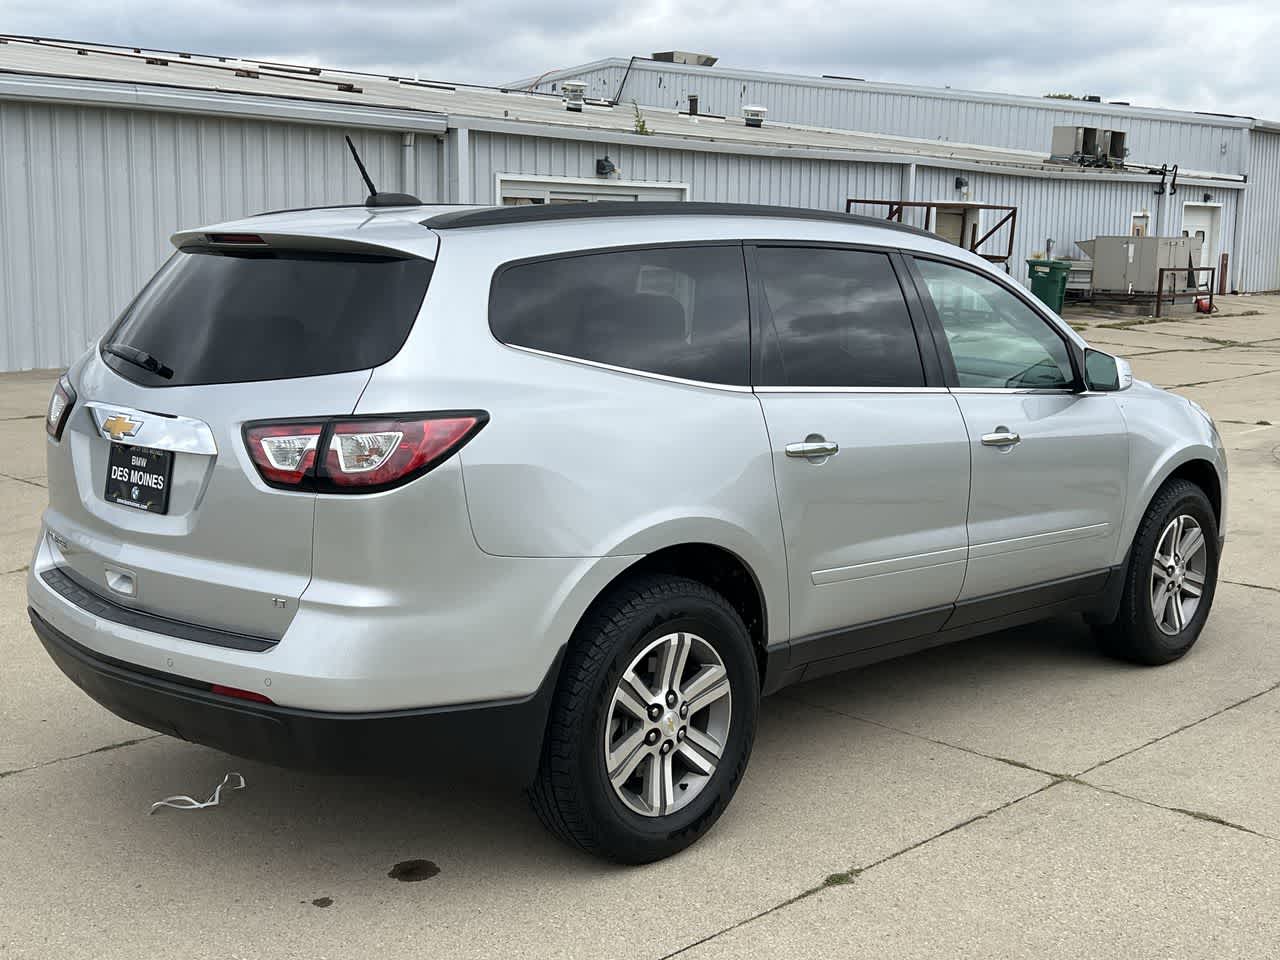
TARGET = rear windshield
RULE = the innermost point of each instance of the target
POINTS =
(214, 316)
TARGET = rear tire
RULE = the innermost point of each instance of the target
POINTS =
(1170, 581)
(660, 677)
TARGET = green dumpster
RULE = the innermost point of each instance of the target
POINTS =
(1049, 281)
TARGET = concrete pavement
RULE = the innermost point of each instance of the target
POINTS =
(1013, 795)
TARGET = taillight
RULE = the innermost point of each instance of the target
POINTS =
(360, 454)
(284, 453)
(60, 404)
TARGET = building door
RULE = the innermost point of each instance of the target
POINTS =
(1202, 221)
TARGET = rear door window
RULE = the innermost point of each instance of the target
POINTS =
(834, 318)
(215, 316)
(675, 311)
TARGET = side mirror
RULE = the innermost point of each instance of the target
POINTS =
(1105, 372)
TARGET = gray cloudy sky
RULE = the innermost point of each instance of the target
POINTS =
(1223, 57)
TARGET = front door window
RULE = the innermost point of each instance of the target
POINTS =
(996, 340)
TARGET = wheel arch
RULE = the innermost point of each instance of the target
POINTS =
(727, 572)
(723, 571)
(1197, 464)
(1205, 476)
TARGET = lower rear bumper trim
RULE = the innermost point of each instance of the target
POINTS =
(499, 737)
(70, 590)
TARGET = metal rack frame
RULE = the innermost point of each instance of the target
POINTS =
(1010, 217)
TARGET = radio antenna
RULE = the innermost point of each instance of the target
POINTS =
(375, 198)
(373, 191)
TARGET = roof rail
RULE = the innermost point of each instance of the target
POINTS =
(502, 216)
(354, 206)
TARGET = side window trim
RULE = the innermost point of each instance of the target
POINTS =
(944, 346)
(934, 369)
(931, 361)
(503, 267)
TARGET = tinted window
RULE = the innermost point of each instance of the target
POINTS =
(680, 311)
(222, 317)
(834, 318)
(995, 338)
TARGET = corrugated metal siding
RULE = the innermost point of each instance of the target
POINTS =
(1066, 210)
(1262, 215)
(1193, 145)
(89, 197)
(1069, 210)
(719, 177)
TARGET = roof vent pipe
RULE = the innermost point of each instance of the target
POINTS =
(754, 115)
(574, 90)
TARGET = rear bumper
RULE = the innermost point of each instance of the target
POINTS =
(501, 737)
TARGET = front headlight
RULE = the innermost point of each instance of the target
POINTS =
(60, 404)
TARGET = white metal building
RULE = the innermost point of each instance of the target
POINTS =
(106, 151)
(1227, 146)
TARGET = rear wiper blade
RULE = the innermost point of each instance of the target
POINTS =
(139, 358)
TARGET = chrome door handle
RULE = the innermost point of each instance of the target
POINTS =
(1002, 437)
(812, 449)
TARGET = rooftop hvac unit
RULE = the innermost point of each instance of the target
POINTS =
(574, 94)
(1088, 146)
(684, 56)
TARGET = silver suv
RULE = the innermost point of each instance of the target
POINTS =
(563, 490)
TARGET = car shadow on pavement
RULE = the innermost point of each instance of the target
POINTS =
(438, 814)
(846, 771)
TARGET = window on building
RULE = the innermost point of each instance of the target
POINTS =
(996, 340)
(675, 311)
(523, 198)
(514, 192)
(834, 318)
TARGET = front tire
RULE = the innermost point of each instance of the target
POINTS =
(1171, 578)
(652, 723)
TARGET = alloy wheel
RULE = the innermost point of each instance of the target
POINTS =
(1178, 572)
(668, 724)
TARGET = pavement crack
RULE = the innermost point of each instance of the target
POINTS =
(78, 756)
(1193, 814)
(1201, 383)
(853, 873)
(1255, 586)
(1056, 778)
(34, 483)
(754, 917)
(1212, 818)
(1175, 732)
(934, 740)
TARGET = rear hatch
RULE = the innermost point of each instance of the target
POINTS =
(154, 501)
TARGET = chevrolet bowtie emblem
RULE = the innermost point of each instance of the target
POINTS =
(118, 426)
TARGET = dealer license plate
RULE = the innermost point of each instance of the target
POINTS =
(139, 477)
